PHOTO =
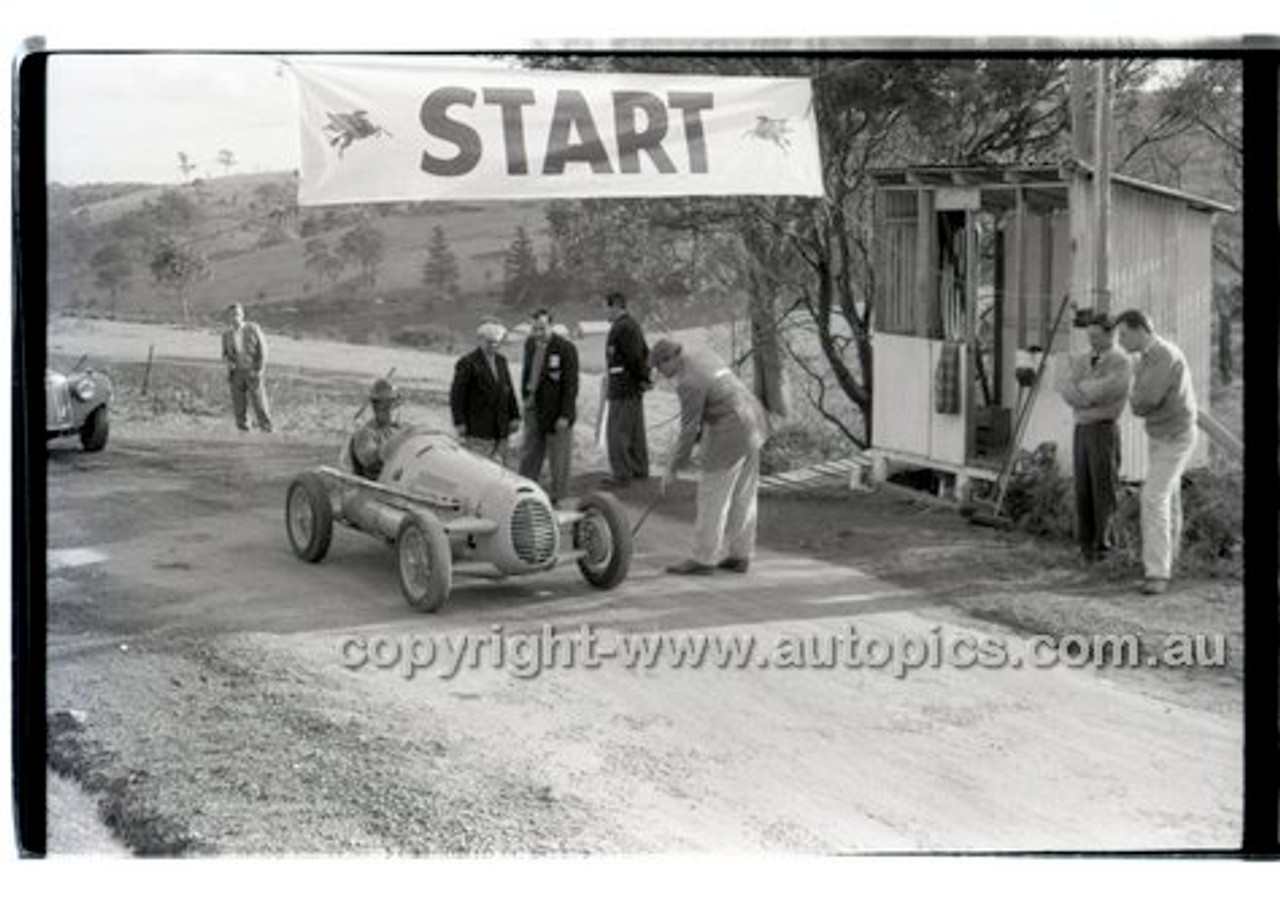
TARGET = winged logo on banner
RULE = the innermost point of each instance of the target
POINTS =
(345, 128)
(773, 130)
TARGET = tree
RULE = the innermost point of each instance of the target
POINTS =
(440, 272)
(112, 269)
(177, 268)
(227, 160)
(173, 209)
(317, 257)
(365, 246)
(808, 263)
(520, 272)
(1187, 132)
(185, 165)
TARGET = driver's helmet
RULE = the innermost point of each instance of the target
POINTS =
(383, 392)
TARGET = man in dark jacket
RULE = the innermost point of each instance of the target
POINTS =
(482, 398)
(549, 388)
(627, 361)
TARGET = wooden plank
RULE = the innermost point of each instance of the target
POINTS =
(903, 379)
(926, 282)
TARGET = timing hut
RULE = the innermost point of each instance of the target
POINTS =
(972, 264)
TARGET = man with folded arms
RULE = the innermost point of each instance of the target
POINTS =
(1095, 386)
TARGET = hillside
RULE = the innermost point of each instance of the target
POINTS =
(254, 239)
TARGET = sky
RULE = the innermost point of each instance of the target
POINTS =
(126, 117)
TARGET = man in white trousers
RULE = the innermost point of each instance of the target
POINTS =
(718, 411)
(1163, 396)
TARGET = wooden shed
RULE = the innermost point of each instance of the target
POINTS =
(971, 266)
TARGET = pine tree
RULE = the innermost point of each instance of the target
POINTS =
(440, 273)
(520, 272)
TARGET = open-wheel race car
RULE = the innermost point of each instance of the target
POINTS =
(450, 511)
(76, 403)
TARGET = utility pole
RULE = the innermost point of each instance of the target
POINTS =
(1102, 184)
(1080, 132)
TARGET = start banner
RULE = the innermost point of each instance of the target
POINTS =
(397, 130)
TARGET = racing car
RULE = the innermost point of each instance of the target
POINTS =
(450, 511)
(76, 403)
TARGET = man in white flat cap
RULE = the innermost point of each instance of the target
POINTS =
(482, 398)
(720, 413)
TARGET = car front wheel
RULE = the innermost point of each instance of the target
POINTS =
(93, 433)
(308, 517)
(425, 561)
(605, 539)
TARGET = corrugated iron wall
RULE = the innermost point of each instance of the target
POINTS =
(1161, 263)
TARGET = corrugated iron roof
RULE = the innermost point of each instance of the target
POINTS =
(1042, 175)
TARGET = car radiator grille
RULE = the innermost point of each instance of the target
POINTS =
(533, 532)
(57, 406)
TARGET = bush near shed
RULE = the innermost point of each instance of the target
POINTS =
(1041, 501)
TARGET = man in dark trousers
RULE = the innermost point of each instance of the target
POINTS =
(549, 388)
(627, 362)
(482, 399)
(1096, 385)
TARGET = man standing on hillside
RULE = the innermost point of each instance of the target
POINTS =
(627, 365)
(244, 349)
(482, 399)
(1162, 395)
(1096, 385)
(719, 412)
(549, 388)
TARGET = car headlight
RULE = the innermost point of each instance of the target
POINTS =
(83, 389)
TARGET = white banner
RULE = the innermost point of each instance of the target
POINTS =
(399, 130)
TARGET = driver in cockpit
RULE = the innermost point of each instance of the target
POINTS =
(370, 443)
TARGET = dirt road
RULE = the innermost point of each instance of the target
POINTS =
(202, 688)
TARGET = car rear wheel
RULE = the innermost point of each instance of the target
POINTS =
(308, 517)
(605, 537)
(93, 433)
(425, 561)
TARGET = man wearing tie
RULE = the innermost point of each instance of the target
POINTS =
(549, 388)
(1096, 386)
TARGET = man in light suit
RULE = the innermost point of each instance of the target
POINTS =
(244, 349)
(719, 412)
(482, 398)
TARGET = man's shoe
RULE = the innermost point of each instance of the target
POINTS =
(1154, 586)
(616, 483)
(689, 566)
(737, 566)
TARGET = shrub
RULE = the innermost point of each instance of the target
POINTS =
(427, 337)
(1040, 498)
(1041, 501)
(796, 446)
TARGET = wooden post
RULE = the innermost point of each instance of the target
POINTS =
(1079, 101)
(1102, 186)
(146, 375)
